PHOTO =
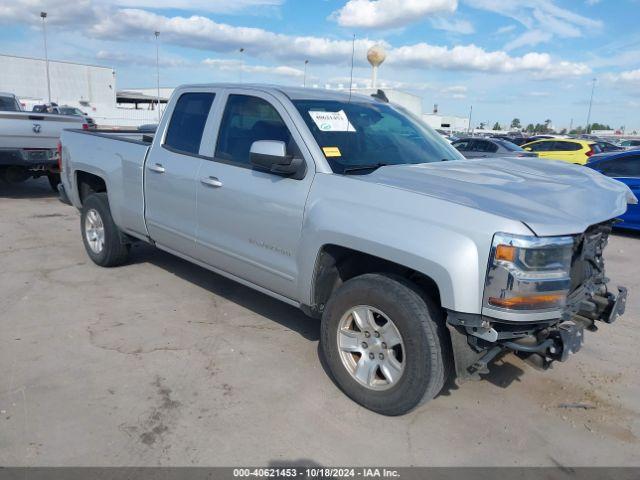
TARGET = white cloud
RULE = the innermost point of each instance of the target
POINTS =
(538, 94)
(140, 60)
(79, 12)
(541, 16)
(462, 27)
(237, 65)
(389, 13)
(505, 29)
(459, 89)
(205, 34)
(210, 6)
(135, 26)
(628, 77)
(529, 38)
(474, 58)
(60, 12)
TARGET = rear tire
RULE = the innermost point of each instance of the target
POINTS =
(101, 237)
(54, 181)
(394, 299)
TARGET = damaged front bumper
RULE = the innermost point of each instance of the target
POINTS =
(477, 340)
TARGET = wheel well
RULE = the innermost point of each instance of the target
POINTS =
(336, 265)
(89, 183)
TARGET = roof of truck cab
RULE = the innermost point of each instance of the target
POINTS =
(294, 93)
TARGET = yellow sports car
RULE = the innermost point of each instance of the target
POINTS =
(566, 149)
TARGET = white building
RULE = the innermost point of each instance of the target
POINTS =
(448, 123)
(71, 83)
(92, 88)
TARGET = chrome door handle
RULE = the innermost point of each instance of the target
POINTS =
(211, 182)
(156, 168)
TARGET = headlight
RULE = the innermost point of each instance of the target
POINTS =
(528, 273)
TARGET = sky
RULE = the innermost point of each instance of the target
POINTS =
(530, 59)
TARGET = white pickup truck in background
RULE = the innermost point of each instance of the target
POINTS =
(29, 142)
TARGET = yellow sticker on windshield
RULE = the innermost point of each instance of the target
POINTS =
(331, 152)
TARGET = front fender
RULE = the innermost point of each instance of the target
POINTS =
(447, 242)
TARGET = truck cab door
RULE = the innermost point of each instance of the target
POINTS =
(170, 176)
(250, 220)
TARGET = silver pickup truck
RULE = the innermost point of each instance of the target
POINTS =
(421, 264)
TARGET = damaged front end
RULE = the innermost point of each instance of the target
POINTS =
(541, 294)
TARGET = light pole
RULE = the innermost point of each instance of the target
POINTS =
(157, 34)
(593, 88)
(241, 64)
(304, 81)
(470, 113)
(43, 15)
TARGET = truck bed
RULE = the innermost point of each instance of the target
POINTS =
(118, 157)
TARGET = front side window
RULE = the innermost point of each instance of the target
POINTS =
(541, 147)
(462, 145)
(246, 120)
(361, 135)
(189, 117)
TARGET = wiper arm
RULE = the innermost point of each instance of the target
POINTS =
(358, 168)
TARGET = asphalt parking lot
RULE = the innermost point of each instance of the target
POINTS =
(163, 363)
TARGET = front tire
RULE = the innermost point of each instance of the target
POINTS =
(100, 235)
(380, 338)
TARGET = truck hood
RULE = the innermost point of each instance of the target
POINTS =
(550, 197)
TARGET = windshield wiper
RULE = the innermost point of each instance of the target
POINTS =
(359, 168)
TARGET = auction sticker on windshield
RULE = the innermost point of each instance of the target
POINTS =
(332, 121)
(331, 152)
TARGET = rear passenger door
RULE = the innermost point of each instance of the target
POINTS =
(170, 175)
(249, 220)
(567, 151)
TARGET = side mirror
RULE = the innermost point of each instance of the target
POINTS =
(271, 155)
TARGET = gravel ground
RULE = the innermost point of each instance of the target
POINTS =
(163, 363)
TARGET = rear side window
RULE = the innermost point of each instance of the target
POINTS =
(187, 122)
(507, 145)
(567, 146)
(246, 120)
(628, 167)
(485, 146)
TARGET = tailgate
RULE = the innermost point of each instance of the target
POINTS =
(26, 130)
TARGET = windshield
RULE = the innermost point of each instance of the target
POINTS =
(360, 134)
